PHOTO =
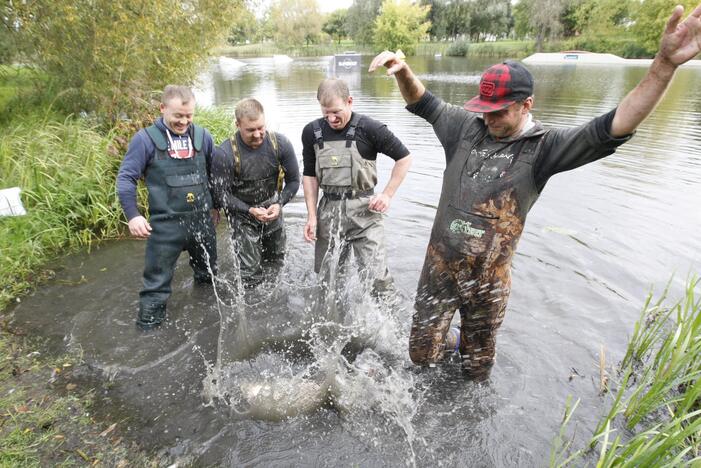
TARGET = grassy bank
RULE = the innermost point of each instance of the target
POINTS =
(45, 418)
(655, 413)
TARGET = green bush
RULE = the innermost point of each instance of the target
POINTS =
(109, 57)
(458, 49)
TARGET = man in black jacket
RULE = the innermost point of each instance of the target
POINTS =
(254, 174)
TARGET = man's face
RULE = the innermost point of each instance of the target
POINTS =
(337, 112)
(507, 122)
(252, 130)
(177, 115)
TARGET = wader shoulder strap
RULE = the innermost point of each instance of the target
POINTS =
(350, 134)
(157, 137)
(236, 153)
(198, 137)
(318, 138)
(280, 169)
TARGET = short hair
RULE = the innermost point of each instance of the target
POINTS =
(332, 88)
(177, 91)
(249, 108)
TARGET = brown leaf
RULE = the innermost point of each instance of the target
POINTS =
(71, 386)
(22, 409)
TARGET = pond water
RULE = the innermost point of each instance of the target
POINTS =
(599, 239)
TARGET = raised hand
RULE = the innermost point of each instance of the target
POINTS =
(681, 41)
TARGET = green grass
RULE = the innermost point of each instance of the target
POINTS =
(655, 416)
(66, 173)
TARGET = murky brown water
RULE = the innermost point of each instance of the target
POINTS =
(598, 240)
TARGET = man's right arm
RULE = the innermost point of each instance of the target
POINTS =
(131, 170)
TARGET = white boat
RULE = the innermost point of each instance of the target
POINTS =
(10, 202)
(573, 57)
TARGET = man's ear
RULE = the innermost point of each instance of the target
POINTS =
(528, 104)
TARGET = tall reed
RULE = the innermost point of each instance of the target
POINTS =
(655, 416)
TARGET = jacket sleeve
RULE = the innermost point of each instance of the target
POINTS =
(569, 148)
(448, 120)
(139, 154)
(291, 167)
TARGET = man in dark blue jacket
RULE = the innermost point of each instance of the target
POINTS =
(174, 157)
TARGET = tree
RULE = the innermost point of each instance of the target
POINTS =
(449, 18)
(335, 25)
(108, 57)
(400, 25)
(490, 18)
(295, 22)
(244, 26)
(602, 17)
(530, 19)
(361, 20)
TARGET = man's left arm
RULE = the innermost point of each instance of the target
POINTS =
(381, 201)
(208, 150)
(681, 41)
(288, 159)
(387, 143)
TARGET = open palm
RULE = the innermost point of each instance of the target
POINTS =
(682, 41)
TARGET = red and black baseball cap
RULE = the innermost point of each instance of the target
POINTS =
(500, 86)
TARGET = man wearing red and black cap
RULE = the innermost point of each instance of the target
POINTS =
(497, 165)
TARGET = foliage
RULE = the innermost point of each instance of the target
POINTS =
(361, 20)
(458, 49)
(651, 18)
(449, 19)
(244, 27)
(529, 20)
(336, 25)
(490, 19)
(108, 57)
(658, 401)
(400, 25)
(295, 22)
(603, 17)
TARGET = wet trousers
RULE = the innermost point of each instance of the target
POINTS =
(480, 294)
(193, 233)
(257, 245)
(347, 224)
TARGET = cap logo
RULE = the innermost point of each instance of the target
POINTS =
(487, 88)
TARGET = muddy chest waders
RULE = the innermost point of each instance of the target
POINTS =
(179, 204)
(343, 218)
(257, 244)
(468, 261)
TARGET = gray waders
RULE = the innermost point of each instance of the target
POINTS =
(468, 260)
(257, 244)
(179, 204)
(343, 218)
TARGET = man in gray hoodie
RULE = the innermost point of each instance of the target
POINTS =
(497, 165)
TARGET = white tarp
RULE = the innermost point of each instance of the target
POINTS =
(10, 203)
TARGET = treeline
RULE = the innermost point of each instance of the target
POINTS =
(629, 28)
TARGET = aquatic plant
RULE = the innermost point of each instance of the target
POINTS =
(655, 416)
